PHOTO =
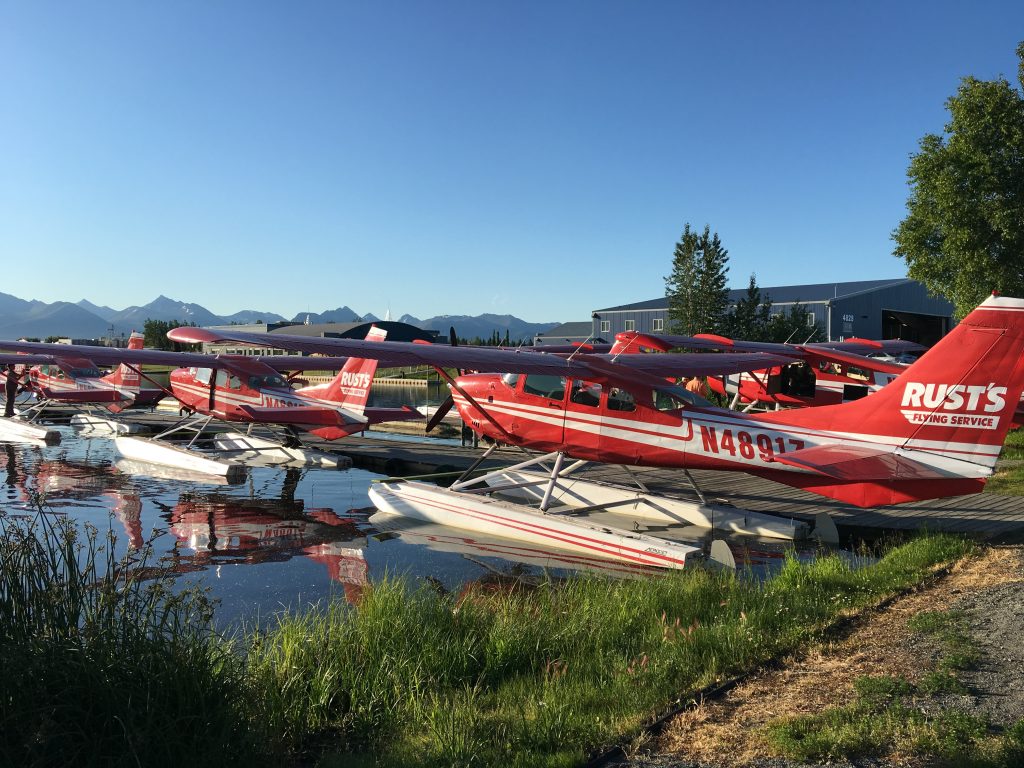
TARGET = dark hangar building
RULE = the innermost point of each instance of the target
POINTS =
(397, 331)
(870, 309)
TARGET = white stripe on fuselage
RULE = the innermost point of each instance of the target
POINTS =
(960, 459)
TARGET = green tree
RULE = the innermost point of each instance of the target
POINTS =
(963, 236)
(751, 317)
(155, 335)
(696, 289)
(792, 326)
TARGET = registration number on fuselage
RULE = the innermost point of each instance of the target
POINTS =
(718, 441)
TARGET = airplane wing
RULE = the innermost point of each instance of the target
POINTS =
(844, 462)
(489, 359)
(107, 355)
(37, 353)
(16, 359)
(858, 346)
(853, 346)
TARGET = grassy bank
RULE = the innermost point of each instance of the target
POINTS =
(99, 669)
(893, 715)
(1009, 476)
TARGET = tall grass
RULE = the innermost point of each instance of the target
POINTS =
(544, 676)
(98, 668)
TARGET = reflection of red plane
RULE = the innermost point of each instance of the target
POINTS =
(816, 374)
(222, 529)
(936, 431)
(56, 481)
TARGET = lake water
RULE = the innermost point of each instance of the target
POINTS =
(283, 538)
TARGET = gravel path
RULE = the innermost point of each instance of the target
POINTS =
(989, 590)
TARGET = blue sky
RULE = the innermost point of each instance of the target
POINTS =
(533, 158)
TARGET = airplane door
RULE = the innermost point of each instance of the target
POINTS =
(540, 417)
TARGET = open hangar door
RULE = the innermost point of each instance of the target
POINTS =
(910, 326)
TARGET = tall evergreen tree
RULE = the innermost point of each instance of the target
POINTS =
(792, 326)
(696, 289)
(751, 317)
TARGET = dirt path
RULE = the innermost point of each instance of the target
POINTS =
(989, 589)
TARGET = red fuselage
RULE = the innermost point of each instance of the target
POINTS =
(587, 421)
(264, 397)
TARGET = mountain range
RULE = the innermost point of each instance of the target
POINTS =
(84, 320)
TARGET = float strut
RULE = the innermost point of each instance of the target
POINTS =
(546, 501)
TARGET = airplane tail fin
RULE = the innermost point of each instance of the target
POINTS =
(956, 402)
(351, 387)
(124, 377)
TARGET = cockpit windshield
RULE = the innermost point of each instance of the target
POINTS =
(274, 380)
(84, 373)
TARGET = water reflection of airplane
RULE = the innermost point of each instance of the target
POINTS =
(60, 482)
(222, 529)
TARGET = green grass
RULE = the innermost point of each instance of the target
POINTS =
(887, 714)
(1009, 478)
(545, 676)
(100, 669)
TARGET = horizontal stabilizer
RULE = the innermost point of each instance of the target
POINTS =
(844, 462)
(301, 415)
(84, 395)
(378, 415)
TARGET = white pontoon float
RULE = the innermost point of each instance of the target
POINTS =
(256, 450)
(101, 425)
(16, 428)
(423, 501)
(472, 503)
(157, 451)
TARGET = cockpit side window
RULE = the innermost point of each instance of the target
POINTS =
(586, 393)
(620, 400)
(663, 401)
(542, 385)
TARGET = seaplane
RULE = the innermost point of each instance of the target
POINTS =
(823, 373)
(936, 430)
(68, 377)
(249, 390)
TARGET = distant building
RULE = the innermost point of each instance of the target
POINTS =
(871, 309)
(568, 333)
(396, 332)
